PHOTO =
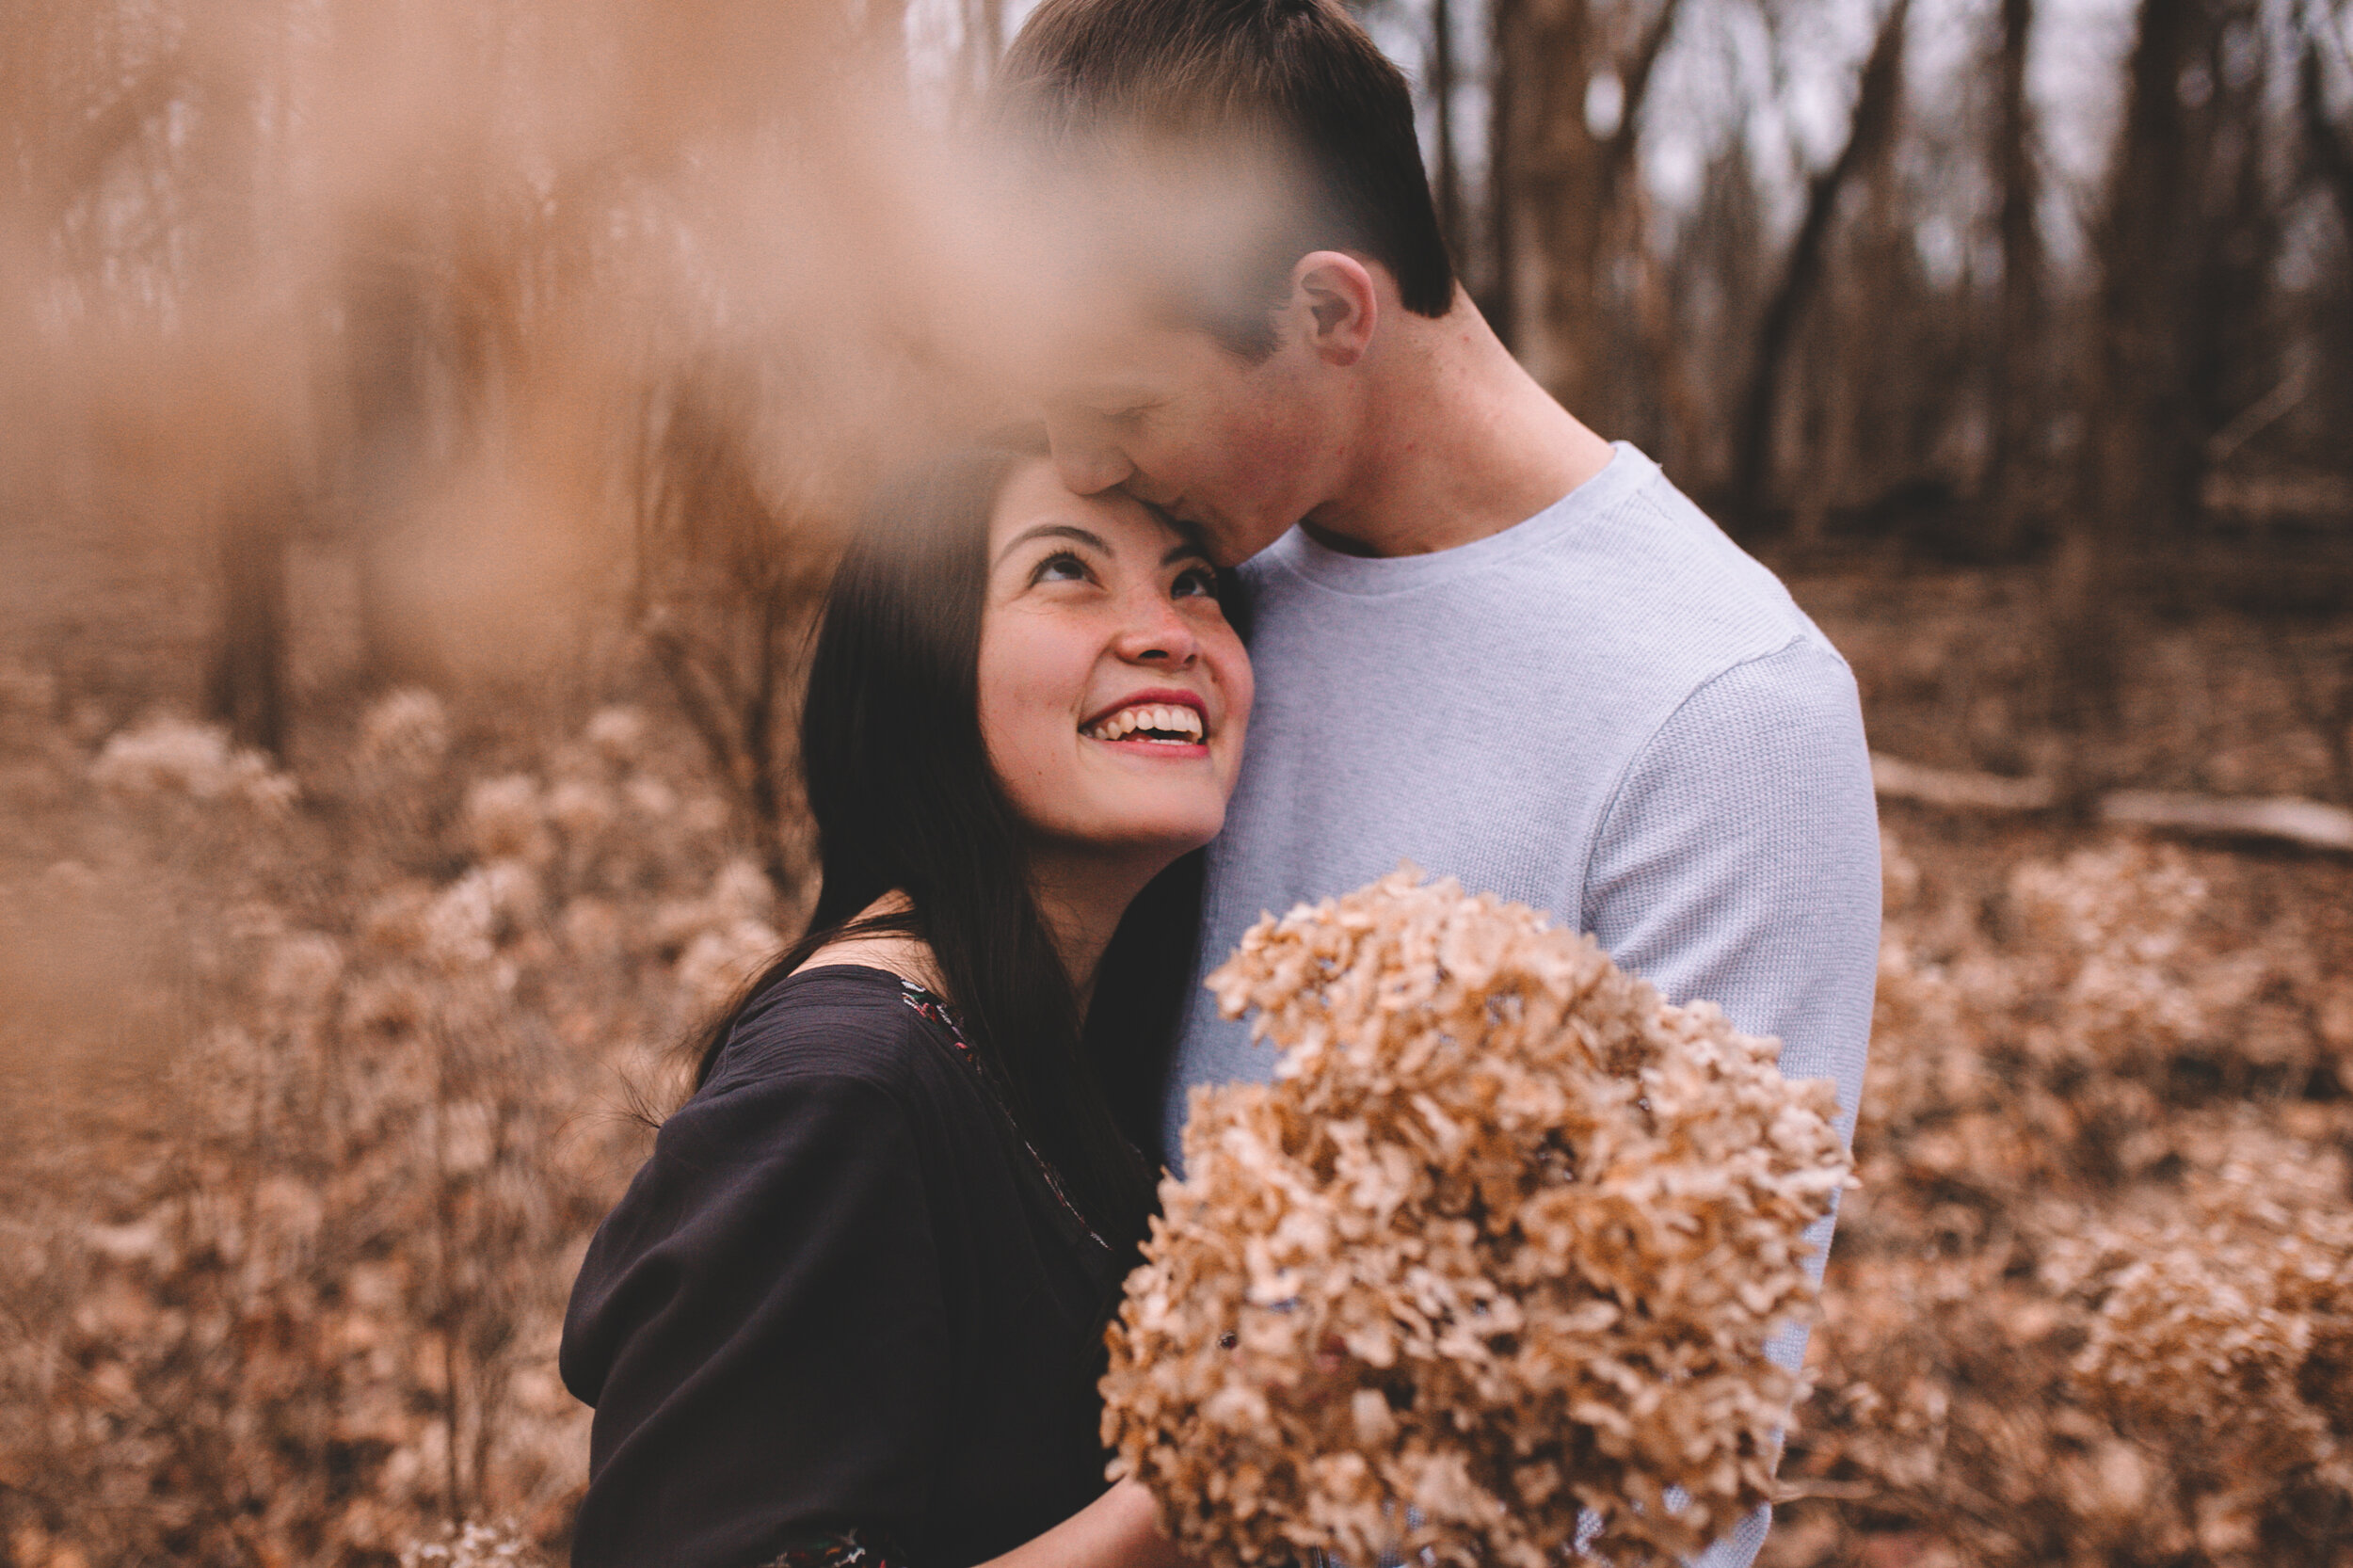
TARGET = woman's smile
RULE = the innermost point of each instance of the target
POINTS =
(1160, 723)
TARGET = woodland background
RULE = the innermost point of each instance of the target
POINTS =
(425, 430)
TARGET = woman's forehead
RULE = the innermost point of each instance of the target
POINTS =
(1034, 495)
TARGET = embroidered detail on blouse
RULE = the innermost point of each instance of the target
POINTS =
(936, 1008)
(848, 1549)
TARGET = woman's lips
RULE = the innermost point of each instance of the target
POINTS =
(1167, 750)
(1165, 723)
(1153, 696)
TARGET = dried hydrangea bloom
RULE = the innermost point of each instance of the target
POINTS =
(471, 1545)
(406, 732)
(1504, 1240)
(2228, 1317)
(169, 756)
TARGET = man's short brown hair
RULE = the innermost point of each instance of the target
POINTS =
(1299, 74)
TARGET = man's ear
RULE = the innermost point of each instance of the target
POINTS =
(1338, 305)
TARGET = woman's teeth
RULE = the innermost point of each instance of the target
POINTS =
(1167, 725)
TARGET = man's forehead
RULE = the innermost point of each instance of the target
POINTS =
(1132, 261)
(1116, 357)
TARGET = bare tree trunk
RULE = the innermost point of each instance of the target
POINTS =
(1840, 365)
(263, 490)
(248, 686)
(725, 584)
(1564, 184)
(1878, 99)
(2228, 336)
(1551, 271)
(1634, 82)
(2016, 379)
(2133, 471)
(1719, 257)
(1682, 413)
(1503, 173)
(2331, 146)
(1449, 184)
(2141, 479)
(398, 443)
(1851, 378)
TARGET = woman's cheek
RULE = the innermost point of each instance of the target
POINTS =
(1045, 751)
(1026, 694)
(1012, 735)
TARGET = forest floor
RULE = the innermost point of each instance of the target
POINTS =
(2088, 1301)
(312, 1084)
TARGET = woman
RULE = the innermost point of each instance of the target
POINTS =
(852, 1308)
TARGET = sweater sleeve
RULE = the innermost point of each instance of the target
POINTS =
(761, 1327)
(1739, 864)
(1739, 861)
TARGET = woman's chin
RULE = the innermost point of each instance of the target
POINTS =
(1160, 836)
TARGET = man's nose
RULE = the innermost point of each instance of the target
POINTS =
(1085, 466)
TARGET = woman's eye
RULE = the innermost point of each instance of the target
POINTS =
(1195, 583)
(1060, 567)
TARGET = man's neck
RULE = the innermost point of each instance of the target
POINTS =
(1458, 443)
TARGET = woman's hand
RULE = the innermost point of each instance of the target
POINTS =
(1115, 1531)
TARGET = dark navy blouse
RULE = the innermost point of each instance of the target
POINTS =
(844, 1313)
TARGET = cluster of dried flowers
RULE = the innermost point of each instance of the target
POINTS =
(168, 754)
(2230, 1314)
(309, 1108)
(471, 1545)
(1488, 1271)
(2088, 1307)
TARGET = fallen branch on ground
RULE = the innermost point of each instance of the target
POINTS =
(2279, 818)
(1896, 779)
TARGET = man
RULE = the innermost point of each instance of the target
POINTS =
(1486, 639)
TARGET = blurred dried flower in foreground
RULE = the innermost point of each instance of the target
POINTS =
(618, 733)
(1503, 1242)
(407, 731)
(169, 756)
(471, 1545)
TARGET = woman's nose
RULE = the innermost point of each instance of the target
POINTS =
(1156, 634)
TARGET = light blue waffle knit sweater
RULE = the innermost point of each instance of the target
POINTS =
(1609, 711)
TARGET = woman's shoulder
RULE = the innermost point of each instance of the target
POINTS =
(833, 1022)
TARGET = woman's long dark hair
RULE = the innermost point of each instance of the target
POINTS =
(899, 785)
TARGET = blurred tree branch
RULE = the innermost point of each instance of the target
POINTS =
(1447, 179)
(725, 587)
(1878, 97)
(2138, 476)
(1568, 103)
(2332, 148)
(2016, 381)
(2278, 819)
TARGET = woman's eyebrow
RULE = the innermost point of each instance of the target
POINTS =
(1054, 531)
(1190, 541)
